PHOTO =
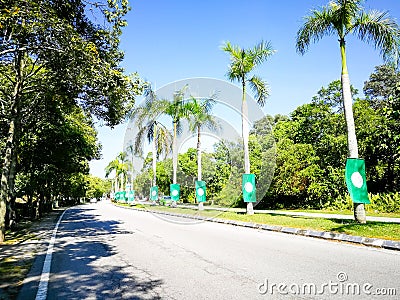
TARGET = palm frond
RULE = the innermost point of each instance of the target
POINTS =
(261, 52)
(315, 27)
(260, 89)
(234, 51)
(380, 30)
(163, 140)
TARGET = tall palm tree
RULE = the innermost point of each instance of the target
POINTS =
(344, 17)
(113, 166)
(243, 62)
(156, 133)
(120, 166)
(177, 109)
(200, 116)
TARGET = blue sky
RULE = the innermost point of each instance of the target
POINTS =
(171, 40)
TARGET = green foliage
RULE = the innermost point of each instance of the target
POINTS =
(97, 187)
(388, 202)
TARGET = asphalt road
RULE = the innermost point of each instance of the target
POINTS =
(107, 252)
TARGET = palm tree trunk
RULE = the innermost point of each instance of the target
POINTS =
(154, 156)
(359, 210)
(133, 170)
(245, 131)
(174, 156)
(198, 154)
(200, 207)
(245, 135)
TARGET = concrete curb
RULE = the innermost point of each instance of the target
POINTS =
(370, 242)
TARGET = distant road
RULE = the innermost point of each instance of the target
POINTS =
(107, 252)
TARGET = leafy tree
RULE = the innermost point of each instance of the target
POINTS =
(243, 62)
(382, 134)
(53, 48)
(342, 17)
(332, 95)
(96, 187)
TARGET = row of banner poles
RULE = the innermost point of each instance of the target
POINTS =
(248, 189)
(355, 180)
(127, 195)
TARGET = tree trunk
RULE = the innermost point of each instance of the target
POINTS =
(155, 156)
(198, 155)
(4, 188)
(12, 214)
(174, 156)
(200, 206)
(133, 170)
(245, 135)
(359, 210)
(10, 144)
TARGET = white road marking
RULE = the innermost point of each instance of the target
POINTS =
(44, 278)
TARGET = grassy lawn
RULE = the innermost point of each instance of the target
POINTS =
(347, 212)
(371, 229)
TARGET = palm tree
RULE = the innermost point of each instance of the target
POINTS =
(176, 109)
(344, 17)
(113, 166)
(243, 62)
(199, 117)
(120, 166)
(155, 132)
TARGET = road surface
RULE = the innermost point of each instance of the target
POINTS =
(107, 252)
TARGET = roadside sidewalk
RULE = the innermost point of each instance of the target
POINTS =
(16, 259)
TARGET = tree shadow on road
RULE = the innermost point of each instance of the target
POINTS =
(86, 265)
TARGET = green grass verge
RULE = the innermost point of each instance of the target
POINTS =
(13, 269)
(381, 230)
(347, 212)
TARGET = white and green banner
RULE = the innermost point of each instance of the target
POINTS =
(175, 192)
(154, 193)
(249, 187)
(356, 180)
(200, 191)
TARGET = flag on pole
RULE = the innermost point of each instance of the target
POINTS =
(249, 187)
(154, 193)
(175, 192)
(200, 191)
(356, 180)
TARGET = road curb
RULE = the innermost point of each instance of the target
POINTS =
(369, 242)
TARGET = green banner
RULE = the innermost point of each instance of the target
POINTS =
(249, 187)
(356, 180)
(154, 193)
(175, 192)
(131, 195)
(122, 196)
(200, 191)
